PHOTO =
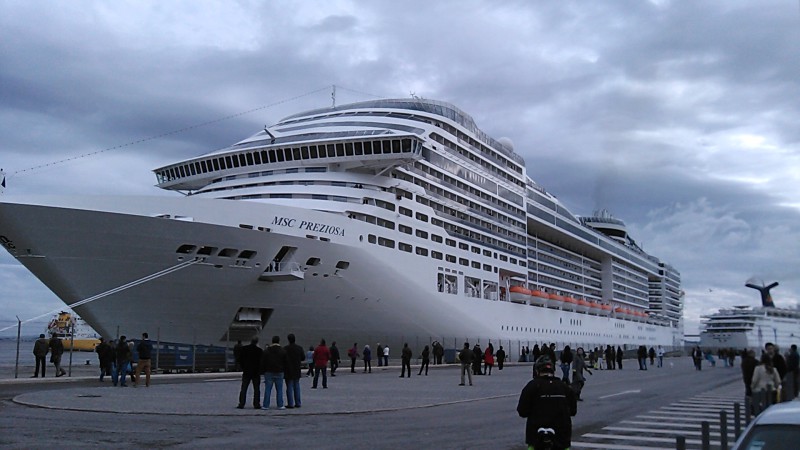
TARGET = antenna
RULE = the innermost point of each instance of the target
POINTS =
(333, 95)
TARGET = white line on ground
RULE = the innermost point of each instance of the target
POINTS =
(623, 437)
(635, 391)
(615, 446)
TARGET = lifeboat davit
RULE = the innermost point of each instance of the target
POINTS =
(519, 294)
(539, 298)
(583, 306)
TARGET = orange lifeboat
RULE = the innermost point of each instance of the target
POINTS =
(606, 309)
(595, 308)
(583, 306)
(519, 294)
(554, 300)
(570, 304)
(538, 298)
(620, 313)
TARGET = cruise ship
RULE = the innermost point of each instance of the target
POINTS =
(392, 221)
(743, 327)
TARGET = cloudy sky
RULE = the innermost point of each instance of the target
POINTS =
(680, 118)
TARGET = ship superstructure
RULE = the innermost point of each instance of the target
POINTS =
(377, 220)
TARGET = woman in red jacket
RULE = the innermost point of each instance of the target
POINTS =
(488, 359)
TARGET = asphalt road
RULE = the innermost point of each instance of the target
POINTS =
(359, 411)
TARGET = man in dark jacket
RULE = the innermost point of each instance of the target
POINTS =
(273, 364)
(793, 370)
(548, 404)
(57, 349)
(749, 363)
(104, 357)
(477, 357)
(294, 356)
(465, 356)
(40, 349)
(251, 365)
(145, 351)
(123, 354)
(335, 358)
(501, 357)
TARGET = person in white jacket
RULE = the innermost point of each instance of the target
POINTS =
(766, 382)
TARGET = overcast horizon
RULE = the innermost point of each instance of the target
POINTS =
(679, 118)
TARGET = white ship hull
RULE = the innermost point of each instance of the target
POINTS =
(753, 328)
(383, 295)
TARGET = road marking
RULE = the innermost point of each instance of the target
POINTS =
(615, 446)
(637, 391)
(623, 437)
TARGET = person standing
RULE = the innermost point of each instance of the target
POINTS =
(251, 373)
(641, 355)
(335, 358)
(501, 357)
(488, 359)
(145, 350)
(793, 369)
(123, 354)
(273, 365)
(660, 353)
(321, 357)
(697, 357)
(766, 382)
(379, 354)
(56, 350)
(310, 358)
(353, 354)
(548, 404)
(652, 355)
(749, 363)
(777, 359)
(477, 358)
(104, 357)
(426, 359)
(294, 356)
(405, 357)
(619, 355)
(566, 362)
(385, 355)
(438, 353)
(609, 358)
(465, 356)
(578, 366)
(367, 355)
(40, 349)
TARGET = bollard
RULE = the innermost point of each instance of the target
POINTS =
(723, 430)
(737, 419)
(705, 438)
(748, 409)
(680, 442)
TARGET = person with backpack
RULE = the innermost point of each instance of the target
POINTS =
(353, 355)
(548, 404)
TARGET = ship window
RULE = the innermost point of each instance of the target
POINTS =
(476, 250)
(195, 168)
(203, 167)
(450, 258)
(405, 211)
(436, 238)
(186, 249)
(235, 161)
(249, 158)
(313, 151)
(404, 247)
(422, 217)
(331, 150)
(504, 258)
(463, 261)
(372, 239)
(247, 254)
(487, 267)
(180, 169)
(422, 251)
(205, 250)
(395, 146)
(422, 234)
(348, 148)
(279, 154)
(304, 152)
(436, 255)
(257, 157)
(228, 252)
(296, 154)
(339, 149)
(359, 148)
(476, 264)
(404, 229)
(228, 162)
(342, 265)
(487, 253)
(385, 242)
(271, 155)
(463, 246)
(368, 148)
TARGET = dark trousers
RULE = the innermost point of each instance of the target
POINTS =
(352, 365)
(317, 371)
(40, 361)
(406, 364)
(368, 365)
(424, 365)
(334, 366)
(247, 380)
(499, 364)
